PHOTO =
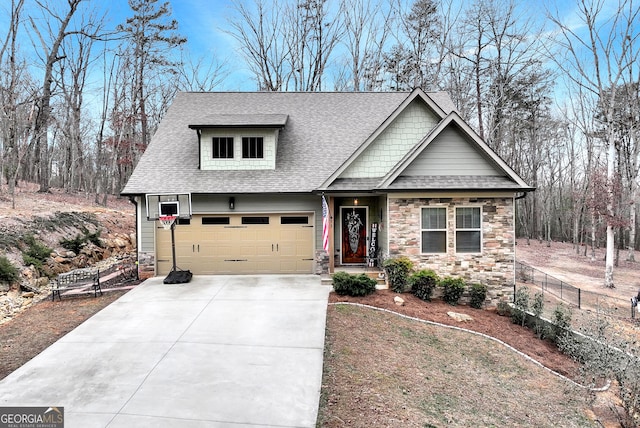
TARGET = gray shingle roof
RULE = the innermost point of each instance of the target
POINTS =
(455, 182)
(323, 129)
(242, 120)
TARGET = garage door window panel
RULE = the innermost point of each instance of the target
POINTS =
(215, 220)
(255, 220)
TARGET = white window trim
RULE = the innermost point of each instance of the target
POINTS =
(455, 229)
(446, 229)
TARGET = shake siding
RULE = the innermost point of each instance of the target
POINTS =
(450, 154)
(386, 151)
(238, 162)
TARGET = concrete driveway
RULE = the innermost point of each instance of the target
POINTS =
(220, 351)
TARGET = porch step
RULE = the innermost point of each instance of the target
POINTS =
(374, 273)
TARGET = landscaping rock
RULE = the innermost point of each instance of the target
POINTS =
(398, 301)
(459, 317)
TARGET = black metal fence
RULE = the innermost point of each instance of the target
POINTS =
(549, 284)
(567, 293)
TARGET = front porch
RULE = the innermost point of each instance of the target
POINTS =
(356, 233)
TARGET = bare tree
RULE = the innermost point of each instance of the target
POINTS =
(73, 151)
(17, 96)
(50, 45)
(261, 42)
(366, 30)
(599, 62)
(408, 63)
(201, 74)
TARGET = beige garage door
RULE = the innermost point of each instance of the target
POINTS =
(239, 244)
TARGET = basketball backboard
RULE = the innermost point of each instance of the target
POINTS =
(169, 204)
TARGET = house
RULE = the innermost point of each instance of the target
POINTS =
(401, 173)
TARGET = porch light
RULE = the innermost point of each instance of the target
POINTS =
(232, 203)
(355, 201)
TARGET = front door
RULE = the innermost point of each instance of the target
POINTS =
(354, 226)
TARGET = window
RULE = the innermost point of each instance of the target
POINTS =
(468, 230)
(294, 220)
(222, 147)
(255, 220)
(252, 147)
(215, 220)
(434, 230)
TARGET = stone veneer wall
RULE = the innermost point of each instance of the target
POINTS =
(146, 265)
(322, 262)
(494, 267)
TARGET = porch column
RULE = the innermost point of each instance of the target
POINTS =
(332, 263)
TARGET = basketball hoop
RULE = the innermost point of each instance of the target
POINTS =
(167, 221)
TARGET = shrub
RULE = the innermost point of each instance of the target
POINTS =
(73, 244)
(422, 283)
(536, 308)
(605, 354)
(94, 238)
(453, 289)
(76, 244)
(36, 253)
(353, 285)
(478, 294)
(521, 306)
(398, 269)
(503, 308)
(8, 272)
(561, 323)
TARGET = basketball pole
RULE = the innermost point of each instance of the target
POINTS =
(173, 246)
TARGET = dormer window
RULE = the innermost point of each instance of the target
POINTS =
(222, 148)
(252, 147)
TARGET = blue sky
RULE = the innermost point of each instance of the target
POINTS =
(203, 23)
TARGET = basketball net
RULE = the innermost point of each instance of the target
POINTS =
(167, 221)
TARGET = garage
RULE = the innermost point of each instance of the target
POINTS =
(239, 244)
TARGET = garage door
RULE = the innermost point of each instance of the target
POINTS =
(239, 244)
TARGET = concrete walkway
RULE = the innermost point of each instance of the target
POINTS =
(220, 351)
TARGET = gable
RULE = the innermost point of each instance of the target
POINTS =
(451, 153)
(388, 148)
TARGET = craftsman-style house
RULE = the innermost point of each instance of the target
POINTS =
(397, 174)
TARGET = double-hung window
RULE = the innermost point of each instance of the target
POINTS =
(434, 230)
(252, 147)
(222, 148)
(468, 230)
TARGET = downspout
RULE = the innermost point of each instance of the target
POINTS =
(199, 132)
(132, 199)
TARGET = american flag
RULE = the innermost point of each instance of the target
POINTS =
(325, 225)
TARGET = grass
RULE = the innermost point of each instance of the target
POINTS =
(382, 370)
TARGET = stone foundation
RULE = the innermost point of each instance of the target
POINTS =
(146, 265)
(494, 266)
(322, 262)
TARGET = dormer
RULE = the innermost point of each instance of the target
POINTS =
(239, 141)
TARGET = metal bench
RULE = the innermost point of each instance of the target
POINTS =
(89, 280)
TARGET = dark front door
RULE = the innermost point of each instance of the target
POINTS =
(354, 234)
